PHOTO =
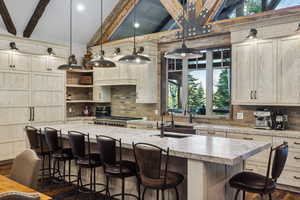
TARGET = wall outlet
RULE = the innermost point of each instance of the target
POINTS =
(240, 116)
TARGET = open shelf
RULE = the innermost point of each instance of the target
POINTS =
(79, 86)
(80, 71)
(82, 101)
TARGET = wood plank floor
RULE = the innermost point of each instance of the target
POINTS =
(57, 191)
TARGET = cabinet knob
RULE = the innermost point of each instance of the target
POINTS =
(246, 138)
(296, 177)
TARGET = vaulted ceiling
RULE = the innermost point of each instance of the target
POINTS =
(54, 23)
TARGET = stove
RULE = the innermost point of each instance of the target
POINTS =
(114, 121)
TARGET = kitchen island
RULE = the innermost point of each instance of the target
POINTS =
(207, 163)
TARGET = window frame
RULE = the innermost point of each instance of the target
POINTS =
(209, 83)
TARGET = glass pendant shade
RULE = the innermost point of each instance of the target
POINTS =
(102, 62)
(135, 58)
(183, 52)
(72, 64)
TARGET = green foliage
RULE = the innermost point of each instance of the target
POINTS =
(222, 95)
(173, 96)
(196, 98)
(253, 6)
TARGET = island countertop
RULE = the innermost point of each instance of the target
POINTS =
(205, 148)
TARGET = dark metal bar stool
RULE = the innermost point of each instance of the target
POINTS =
(256, 183)
(114, 168)
(151, 174)
(85, 161)
(37, 143)
(59, 153)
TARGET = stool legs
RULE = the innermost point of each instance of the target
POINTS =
(237, 194)
(177, 195)
(270, 196)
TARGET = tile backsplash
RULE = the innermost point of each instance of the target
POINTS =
(124, 104)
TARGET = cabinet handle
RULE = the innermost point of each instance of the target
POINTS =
(296, 158)
(249, 170)
(49, 69)
(245, 138)
(33, 111)
(296, 177)
(297, 143)
(251, 94)
(30, 114)
(255, 95)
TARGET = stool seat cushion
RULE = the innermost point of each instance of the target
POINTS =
(173, 179)
(252, 182)
(128, 169)
(95, 161)
(63, 154)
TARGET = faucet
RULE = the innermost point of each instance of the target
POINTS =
(172, 118)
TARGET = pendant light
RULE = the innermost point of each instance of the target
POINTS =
(135, 57)
(252, 34)
(101, 62)
(72, 62)
(183, 51)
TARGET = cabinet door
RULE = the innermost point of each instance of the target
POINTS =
(54, 62)
(242, 71)
(39, 63)
(21, 61)
(14, 97)
(289, 71)
(5, 61)
(47, 96)
(265, 72)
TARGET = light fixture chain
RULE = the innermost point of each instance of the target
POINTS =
(101, 40)
(71, 26)
(133, 25)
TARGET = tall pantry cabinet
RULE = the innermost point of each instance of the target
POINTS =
(31, 93)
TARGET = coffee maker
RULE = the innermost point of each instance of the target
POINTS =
(281, 120)
(265, 119)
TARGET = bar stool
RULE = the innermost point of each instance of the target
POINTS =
(37, 144)
(59, 153)
(256, 183)
(114, 168)
(151, 174)
(85, 161)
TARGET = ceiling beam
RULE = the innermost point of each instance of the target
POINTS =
(210, 7)
(112, 21)
(175, 9)
(38, 12)
(10, 27)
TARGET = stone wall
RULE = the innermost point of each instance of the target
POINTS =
(124, 104)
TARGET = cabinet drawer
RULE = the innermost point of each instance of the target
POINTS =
(262, 170)
(291, 178)
(262, 157)
(293, 159)
(293, 143)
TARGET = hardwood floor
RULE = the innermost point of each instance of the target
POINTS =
(67, 192)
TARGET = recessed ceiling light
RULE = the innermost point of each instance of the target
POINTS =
(80, 7)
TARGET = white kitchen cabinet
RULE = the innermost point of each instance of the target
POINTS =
(265, 72)
(289, 70)
(39, 63)
(12, 60)
(5, 60)
(242, 73)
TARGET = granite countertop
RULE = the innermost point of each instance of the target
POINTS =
(204, 148)
(248, 130)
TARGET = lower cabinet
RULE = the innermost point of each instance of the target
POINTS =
(259, 163)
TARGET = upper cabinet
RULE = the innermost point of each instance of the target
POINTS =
(144, 77)
(10, 60)
(266, 72)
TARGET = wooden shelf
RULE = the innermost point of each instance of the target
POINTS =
(79, 86)
(80, 71)
(81, 118)
(82, 101)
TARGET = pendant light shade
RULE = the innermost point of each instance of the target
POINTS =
(72, 62)
(183, 51)
(101, 62)
(135, 58)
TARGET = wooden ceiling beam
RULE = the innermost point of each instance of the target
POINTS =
(174, 8)
(112, 21)
(10, 27)
(209, 10)
(38, 12)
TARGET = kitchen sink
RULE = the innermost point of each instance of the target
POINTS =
(174, 136)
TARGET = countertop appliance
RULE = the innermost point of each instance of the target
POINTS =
(281, 121)
(265, 119)
(114, 120)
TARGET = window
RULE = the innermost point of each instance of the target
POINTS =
(200, 85)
